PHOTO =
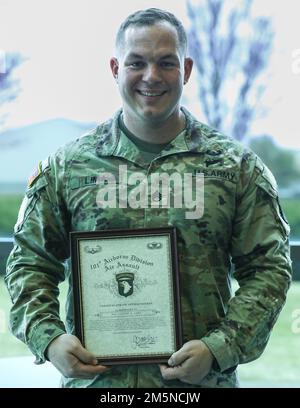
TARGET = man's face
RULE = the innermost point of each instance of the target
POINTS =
(151, 71)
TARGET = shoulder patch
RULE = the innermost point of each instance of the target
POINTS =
(35, 175)
(42, 166)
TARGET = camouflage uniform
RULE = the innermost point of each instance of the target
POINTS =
(242, 223)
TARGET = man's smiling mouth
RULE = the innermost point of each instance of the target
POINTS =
(151, 93)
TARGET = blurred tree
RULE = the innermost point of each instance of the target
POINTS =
(283, 163)
(9, 86)
(230, 50)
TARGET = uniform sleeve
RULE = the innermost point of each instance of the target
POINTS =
(35, 266)
(260, 253)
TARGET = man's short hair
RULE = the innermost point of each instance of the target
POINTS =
(150, 17)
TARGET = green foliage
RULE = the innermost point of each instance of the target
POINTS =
(291, 210)
(9, 208)
(282, 162)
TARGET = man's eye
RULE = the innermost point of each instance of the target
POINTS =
(137, 64)
(167, 64)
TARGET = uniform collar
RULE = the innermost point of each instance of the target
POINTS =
(113, 142)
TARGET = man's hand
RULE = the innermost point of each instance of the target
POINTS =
(190, 364)
(68, 355)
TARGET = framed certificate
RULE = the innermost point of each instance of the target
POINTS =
(126, 294)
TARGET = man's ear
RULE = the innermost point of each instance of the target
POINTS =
(114, 66)
(188, 66)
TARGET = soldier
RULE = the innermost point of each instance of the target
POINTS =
(242, 223)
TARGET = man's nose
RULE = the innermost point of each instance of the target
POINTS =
(151, 73)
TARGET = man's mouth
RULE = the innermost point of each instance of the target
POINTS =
(151, 93)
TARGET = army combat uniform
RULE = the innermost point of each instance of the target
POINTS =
(242, 224)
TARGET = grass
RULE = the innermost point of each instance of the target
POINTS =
(279, 366)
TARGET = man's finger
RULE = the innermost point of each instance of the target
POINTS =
(177, 358)
(162, 366)
(85, 356)
(170, 373)
(88, 371)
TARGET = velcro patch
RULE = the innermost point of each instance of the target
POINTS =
(35, 175)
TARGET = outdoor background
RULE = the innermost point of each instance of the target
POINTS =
(55, 84)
